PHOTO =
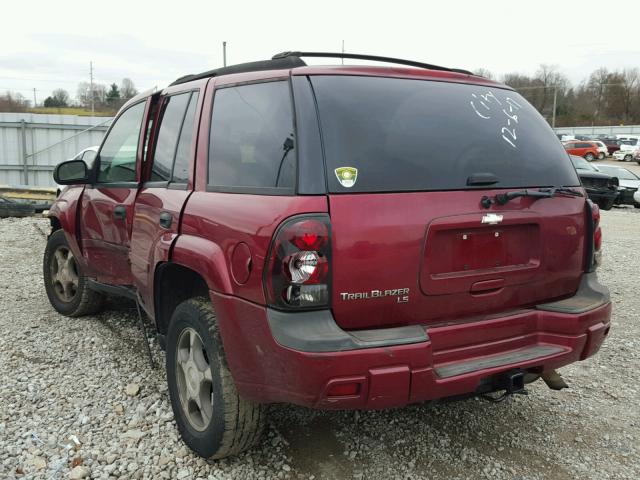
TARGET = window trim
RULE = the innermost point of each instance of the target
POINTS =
(276, 191)
(96, 164)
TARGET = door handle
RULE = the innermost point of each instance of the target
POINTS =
(166, 219)
(120, 212)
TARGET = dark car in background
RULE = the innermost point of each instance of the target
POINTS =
(601, 188)
(613, 145)
(628, 182)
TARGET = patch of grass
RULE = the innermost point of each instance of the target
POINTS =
(70, 111)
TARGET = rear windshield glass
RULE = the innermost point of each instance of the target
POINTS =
(387, 134)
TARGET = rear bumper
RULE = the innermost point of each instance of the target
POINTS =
(279, 357)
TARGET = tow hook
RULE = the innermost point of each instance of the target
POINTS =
(512, 382)
(554, 380)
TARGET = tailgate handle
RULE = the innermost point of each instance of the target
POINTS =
(487, 285)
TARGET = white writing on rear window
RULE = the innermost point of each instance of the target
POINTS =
(487, 106)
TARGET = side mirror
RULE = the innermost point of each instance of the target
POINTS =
(71, 172)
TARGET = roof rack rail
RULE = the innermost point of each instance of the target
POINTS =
(375, 58)
(274, 64)
(286, 60)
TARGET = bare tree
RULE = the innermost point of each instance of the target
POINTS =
(483, 72)
(127, 89)
(13, 102)
(60, 97)
(630, 90)
(84, 94)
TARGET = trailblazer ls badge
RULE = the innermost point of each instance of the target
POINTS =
(347, 176)
(401, 294)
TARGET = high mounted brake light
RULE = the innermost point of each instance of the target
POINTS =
(298, 274)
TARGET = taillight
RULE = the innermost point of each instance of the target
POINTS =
(595, 253)
(298, 267)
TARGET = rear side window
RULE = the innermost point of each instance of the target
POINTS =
(251, 143)
(183, 151)
(173, 116)
(386, 134)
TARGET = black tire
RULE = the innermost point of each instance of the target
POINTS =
(589, 157)
(84, 301)
(235, 424)
(15, 209)
(636, 205)
(628, 158)
(606, 204)
(601, 156)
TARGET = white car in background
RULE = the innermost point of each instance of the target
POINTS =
(88, 155)
(628, 148)
(603, 151)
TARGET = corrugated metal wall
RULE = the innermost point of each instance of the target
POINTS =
(616, 130)
(32, 144)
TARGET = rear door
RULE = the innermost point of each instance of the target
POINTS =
(168, 176)
(107, 204)
(408, 165)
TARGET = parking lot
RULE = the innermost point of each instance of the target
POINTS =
(80, 393)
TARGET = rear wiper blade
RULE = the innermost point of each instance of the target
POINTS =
(550, 192)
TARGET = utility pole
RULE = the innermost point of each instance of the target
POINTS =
(224, 54)
(555, 101)
(91, 87)
(35, 102)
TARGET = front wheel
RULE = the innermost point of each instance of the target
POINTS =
(601, 156)
(213, 420)
(606, 204)
(628, 158)
(64, 282)
(589, 157)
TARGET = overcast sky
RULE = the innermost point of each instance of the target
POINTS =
(49, 44)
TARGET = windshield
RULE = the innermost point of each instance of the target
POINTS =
(581, 164)
(389, 134)
(621, 173)
(629, 142)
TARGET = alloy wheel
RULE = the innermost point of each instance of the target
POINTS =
(64, 274)
(195, 384)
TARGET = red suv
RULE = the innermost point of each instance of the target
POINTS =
(588, 150)
(324, 236)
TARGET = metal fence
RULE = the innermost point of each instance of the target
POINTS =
(616, 130)
(31, 145)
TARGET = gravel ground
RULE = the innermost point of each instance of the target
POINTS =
(79, 400)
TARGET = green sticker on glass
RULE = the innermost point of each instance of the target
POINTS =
(347, 176)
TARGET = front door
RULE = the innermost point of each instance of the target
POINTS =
(107, 204)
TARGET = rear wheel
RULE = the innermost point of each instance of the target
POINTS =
(64, 281)
(589, 157)
(628, 158)
(213, 420)
(601, 156)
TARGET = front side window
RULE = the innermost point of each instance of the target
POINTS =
(119, 150)
(251, 142)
